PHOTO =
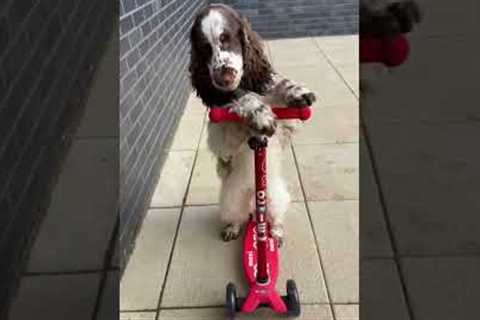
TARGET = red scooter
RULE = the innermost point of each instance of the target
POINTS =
(260, 250)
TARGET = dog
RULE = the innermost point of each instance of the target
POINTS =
(228, 68)
(384, 18)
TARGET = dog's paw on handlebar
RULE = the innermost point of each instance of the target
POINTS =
(261, 123)
(257, 115)
(299, 96)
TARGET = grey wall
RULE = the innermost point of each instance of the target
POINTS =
(48, 52)
(299, 18)
(154, 87)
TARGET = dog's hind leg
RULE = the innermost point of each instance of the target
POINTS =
(277, 192)
(235, 199)
(279, 201)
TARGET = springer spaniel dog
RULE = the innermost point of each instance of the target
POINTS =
(386, 18)
(229, 68)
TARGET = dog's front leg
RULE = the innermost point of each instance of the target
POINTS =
(257, 114)
(287, 92)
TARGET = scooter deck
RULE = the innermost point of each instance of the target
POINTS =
(260, 294)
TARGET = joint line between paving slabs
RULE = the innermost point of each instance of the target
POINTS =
(386, 216)
(322, 269)
(177, 230)
(109, 256)
(330, 62)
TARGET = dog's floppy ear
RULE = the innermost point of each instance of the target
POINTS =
(257, 68)
(198, 69)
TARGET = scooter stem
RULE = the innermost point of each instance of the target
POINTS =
(259, 146)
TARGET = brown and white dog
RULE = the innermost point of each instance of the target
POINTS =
(229, 68)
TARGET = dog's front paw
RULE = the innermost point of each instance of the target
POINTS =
(262, 121)
(224, 167)
(258, 116)
(406, 14)
(278, 234)
(230, 232)
(298, 96)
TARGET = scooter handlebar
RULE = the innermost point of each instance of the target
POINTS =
(217, 114)
(389, 51)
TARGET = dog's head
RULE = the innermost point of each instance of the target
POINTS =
(225, 52)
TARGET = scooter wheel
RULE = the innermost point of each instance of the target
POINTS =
(292, 299)
(231, 299)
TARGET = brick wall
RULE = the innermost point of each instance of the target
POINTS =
(154, 87)
(48, 51)
(298, 18)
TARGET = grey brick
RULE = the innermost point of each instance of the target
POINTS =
(138, 17)
(4, 34)
(126, 24)
(135, 37)
(19, 10)
(123, 68)
(129, 5)
(124, 46)
(146, 28)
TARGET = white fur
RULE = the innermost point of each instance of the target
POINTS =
(213, 25)
(229, 141)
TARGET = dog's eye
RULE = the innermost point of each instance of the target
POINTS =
(224, 38)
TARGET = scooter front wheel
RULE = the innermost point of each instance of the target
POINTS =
(231, 300)
(292, 299)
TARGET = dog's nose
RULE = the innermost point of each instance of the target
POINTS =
(226, 75)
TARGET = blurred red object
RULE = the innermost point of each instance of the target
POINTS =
(391, 52)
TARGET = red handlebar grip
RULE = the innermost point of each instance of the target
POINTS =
(391, 52)
(225, 115)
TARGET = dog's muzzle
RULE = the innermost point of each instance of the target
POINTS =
(225, 76)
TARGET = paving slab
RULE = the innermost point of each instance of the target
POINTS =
(90, 171)
(342, 51)
(346, 311)
(143, 277)
(55, 297)
(330, 124)
(443, 288)
(138, 315)
(381, 291)
(286, 52)
(374, 238)
(172, 186)
(194, 105)
(329, 171)
(109, 303)
(336, 228)
(438, 158)
(188, 132)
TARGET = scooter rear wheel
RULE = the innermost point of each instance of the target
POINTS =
(231, 299)
(292, 299)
